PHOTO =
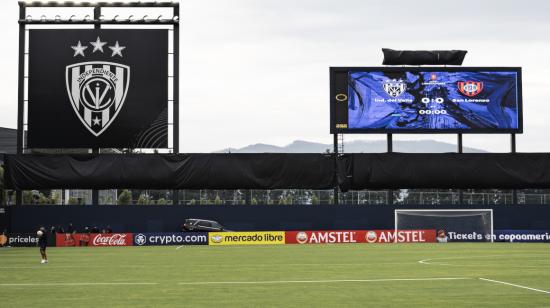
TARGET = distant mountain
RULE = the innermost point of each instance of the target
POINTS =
(357, 146)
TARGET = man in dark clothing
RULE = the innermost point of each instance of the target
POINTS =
(43, 243)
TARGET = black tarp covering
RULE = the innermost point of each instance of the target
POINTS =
(273, 171)
(423, 57)
(446, 170)
(166, 171)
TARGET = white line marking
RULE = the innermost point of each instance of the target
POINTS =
(514, 285)
(179, 247)
(74, 284)
(321, 281)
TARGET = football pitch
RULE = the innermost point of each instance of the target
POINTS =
(379, 275)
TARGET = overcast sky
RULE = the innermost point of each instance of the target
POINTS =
(257, 71)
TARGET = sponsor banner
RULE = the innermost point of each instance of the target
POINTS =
(359, 236)
(246, 238)
(23, 240)
(166, 238)
(94, 239)
(542, 236)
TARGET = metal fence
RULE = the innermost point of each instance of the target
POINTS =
(284, 197)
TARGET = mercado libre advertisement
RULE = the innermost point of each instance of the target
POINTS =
(360, 236)
(246, 238)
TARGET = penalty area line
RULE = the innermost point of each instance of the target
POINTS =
(322, 281)
(76, 284)
(514, 285)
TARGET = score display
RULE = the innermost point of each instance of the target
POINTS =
(425, 100)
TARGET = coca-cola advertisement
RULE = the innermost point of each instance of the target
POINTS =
(94, 239)
(112, 239)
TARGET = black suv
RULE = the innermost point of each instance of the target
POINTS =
(204, 225)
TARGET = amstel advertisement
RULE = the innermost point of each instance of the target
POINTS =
(246, 238)
(360, 236)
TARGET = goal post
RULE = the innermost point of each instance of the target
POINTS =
(459, 225)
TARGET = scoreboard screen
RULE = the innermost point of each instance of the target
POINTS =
(425, 100)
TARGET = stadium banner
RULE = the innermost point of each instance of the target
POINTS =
(542, 236)
(104, 88)
(94, 239)
(23, 240)
(360, 236)
(167, 238)
(247, 238)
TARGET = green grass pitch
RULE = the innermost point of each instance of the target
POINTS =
(378, 275)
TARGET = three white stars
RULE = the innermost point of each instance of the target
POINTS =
(98, 45)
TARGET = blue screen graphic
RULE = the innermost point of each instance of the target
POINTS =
(433, 100)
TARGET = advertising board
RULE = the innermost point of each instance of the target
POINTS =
(360, 236)
(166, 238)
(247, 238)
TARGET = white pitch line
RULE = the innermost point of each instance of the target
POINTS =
(322, 281)
(179, 247)
(515, 285)
(75, 284)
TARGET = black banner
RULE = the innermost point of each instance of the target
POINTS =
(446, 170)
(169, 171)
(98, 88)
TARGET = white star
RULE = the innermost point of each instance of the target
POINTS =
(98, 45)
(78, 49)
(117, 50)
(96, 121)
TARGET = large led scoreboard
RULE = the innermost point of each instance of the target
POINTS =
(425, 100)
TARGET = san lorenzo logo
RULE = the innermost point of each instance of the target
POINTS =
(140, 239)
(97, 89)
(470, 88)
(394, 87)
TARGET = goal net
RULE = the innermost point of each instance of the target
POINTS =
(450, 225)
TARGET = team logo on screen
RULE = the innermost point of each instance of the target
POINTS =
(394, 87)
(470, 88)
(97, 89)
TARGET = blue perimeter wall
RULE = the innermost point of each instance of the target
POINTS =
(167, 218)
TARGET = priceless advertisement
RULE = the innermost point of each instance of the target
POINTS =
(246, 238)
(360, 236)
(98, 88)
(94, 239)
(166, 238)
(428, 99)
(23, 240)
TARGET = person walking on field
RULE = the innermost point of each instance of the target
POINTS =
(43, 243)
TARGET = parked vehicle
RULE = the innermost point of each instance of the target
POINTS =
(193, 224)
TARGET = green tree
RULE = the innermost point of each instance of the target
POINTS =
(125, 197)
(28, 197)
(218, 200)
(143, 200)
(162, 201)
(314, 200)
